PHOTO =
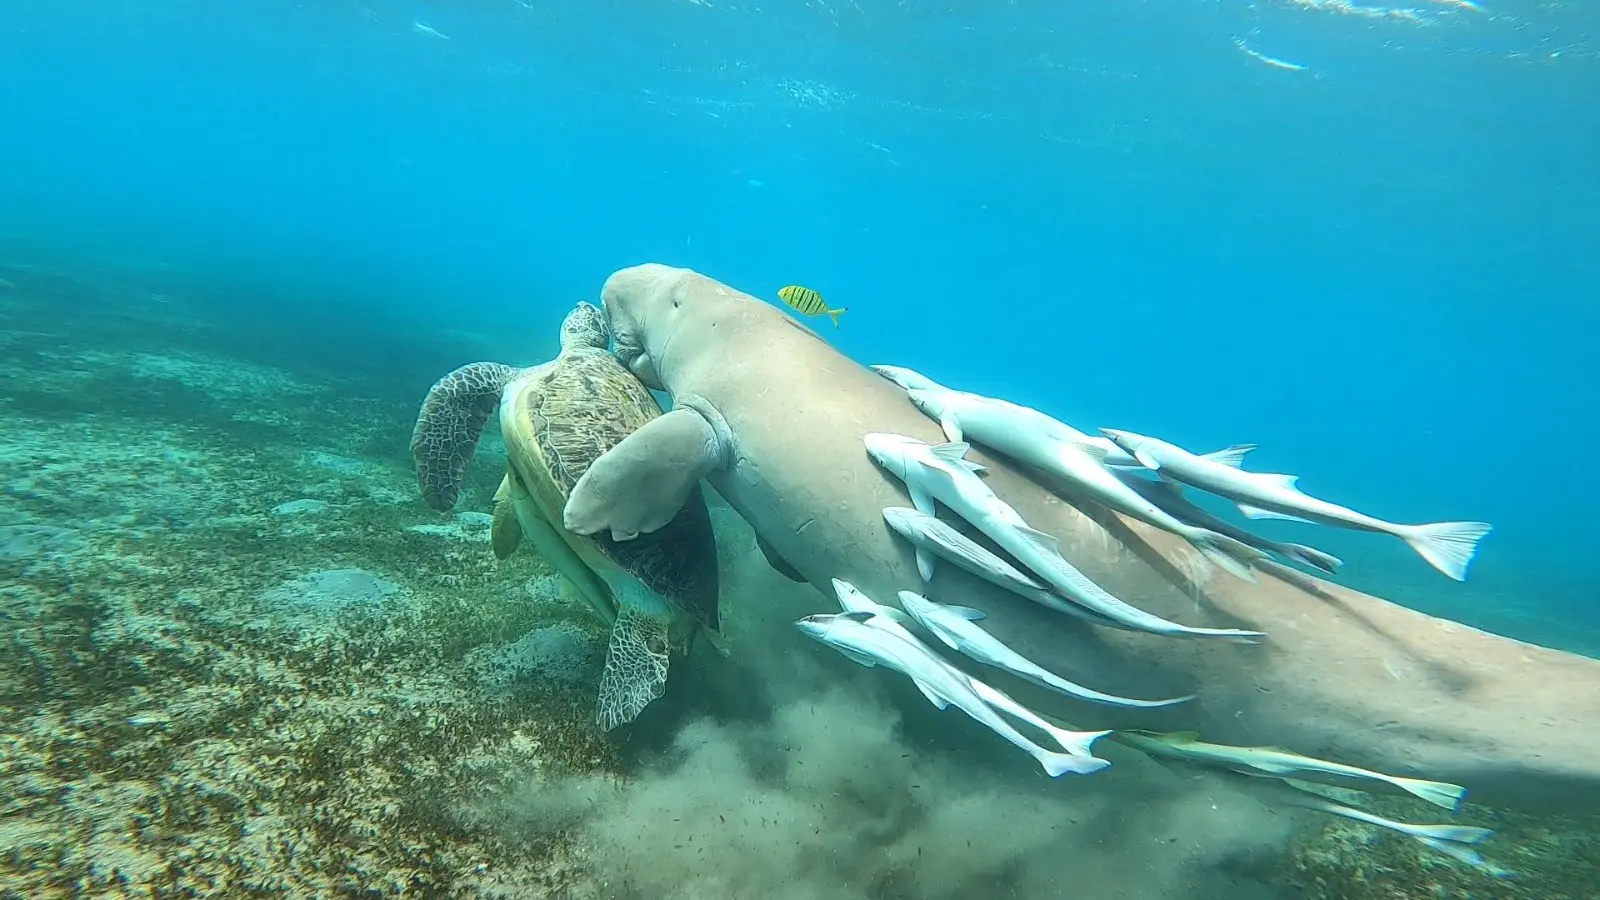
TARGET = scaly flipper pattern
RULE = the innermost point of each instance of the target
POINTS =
(449, 425)
(636, 668)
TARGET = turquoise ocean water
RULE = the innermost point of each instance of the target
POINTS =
(236, 236)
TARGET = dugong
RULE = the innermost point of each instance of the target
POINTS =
(773, 417)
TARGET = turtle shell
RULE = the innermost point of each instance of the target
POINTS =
(578, 407)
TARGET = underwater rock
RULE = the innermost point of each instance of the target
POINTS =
(299, 507)
(472, 527)
(341, 464)
(36, 543)
(560, 652)
(330, 592)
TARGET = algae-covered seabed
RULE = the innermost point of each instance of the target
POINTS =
(242, 659)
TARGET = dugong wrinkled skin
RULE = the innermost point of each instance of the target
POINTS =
(774, 418)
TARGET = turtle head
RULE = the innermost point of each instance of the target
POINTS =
(585, 326)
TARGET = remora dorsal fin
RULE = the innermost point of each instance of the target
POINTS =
(1232, 457)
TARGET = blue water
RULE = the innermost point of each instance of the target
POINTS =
(1379, 267)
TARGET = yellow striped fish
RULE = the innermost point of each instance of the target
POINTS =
(809, 303)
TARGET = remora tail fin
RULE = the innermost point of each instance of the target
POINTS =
(1058, 764)
(1438, 793)
(1447, 546)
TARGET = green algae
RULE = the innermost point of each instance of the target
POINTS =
(164, 732)
(1542, 858)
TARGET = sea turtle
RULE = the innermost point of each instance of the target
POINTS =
(656, 592)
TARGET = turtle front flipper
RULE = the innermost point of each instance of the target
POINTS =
(449, 424)
(636, 667)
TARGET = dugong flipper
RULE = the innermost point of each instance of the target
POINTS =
(774, 418)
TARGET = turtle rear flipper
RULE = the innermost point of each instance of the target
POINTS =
(636, 667)
(449, 424)
(505, 532)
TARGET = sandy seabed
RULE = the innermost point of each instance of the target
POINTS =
(242, 659)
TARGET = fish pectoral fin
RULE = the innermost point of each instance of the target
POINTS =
(921, 499)
(1040, 539)
(925, 561)
(1094, 451)
(954, 451)
(932, 695)
(968, 613)
(898, 616)
(1256, 512)
(945, 638)
(951, 426)
(1232, 457)
(1147, 460)
(1272, 768)
(857, 658)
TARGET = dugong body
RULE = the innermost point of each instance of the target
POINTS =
(774, 418)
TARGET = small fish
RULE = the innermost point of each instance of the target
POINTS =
(892, 620)
(809, 303)
(1169, 496)
(936, 473)
(1280, 763)
(1030, 436)
(1457, 841)
(1272, 61)
(1089, 601)
(1447, 546)
(909, 379)
(940, 682)
(912, 380)
(957, 627)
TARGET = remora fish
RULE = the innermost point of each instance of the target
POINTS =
(1169, 497)
(931, 472)
(913, 380)
(941, 472)
(1030, 436)
(889, 619)
(1280, 763)
(1453, 840)
(850, 634)
(1090, 602)
(892, 620)
(956, 627)
(1447, 546)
